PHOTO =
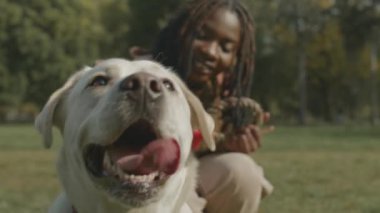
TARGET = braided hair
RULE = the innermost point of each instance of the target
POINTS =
(173, 46)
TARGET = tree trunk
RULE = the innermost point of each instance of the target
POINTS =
(374, 94)
(302, 92)
(302, 85)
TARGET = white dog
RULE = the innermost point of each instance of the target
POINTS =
(127, 128)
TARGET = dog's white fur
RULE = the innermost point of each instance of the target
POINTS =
(86, 114)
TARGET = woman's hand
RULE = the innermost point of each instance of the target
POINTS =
(246, 139)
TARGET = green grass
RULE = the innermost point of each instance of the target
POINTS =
(314, 170)
(28, 180)
(322, 169)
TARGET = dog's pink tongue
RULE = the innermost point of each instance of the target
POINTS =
(159, 155)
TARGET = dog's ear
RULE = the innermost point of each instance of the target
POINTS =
(137, 52)
(200, 118)
(49, 115)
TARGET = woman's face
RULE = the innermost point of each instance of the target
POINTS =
(215, 46)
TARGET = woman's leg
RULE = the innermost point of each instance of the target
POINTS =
(232, 182)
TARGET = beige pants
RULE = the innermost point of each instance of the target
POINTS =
(232, 183)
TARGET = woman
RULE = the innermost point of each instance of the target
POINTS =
(210, 44)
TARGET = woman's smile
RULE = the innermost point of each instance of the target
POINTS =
(215, 45)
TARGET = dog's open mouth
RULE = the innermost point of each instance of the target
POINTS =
(137, 162)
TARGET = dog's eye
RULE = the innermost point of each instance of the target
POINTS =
(99, 81)
(168, 84)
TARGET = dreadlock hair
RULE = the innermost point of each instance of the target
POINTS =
(173, 46)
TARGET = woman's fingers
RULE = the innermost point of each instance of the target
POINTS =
(268, 129)
(244, 141)
(266, 116)
(247, 139)
(256, 134)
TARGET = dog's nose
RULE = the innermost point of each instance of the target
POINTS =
(142, 81)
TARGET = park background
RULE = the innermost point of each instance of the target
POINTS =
(316, 72)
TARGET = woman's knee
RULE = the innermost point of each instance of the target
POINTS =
(245, 174)
(231, 182)
(236, 171)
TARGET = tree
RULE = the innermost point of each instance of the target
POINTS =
(360, 22)
(328, 73)
(302, 19)
(43, 42)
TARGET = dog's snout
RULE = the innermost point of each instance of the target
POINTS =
(130, 84)
(142, 81)
(155, 86)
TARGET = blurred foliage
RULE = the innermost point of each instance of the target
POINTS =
(43, 42)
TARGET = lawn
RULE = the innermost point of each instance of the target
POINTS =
(314, 170)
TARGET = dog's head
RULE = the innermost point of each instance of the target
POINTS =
(127, 128)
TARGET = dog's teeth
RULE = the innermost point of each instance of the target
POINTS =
(153, 175)
(140, 178)
(161, 176)
(107, 162)
(118, 171)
